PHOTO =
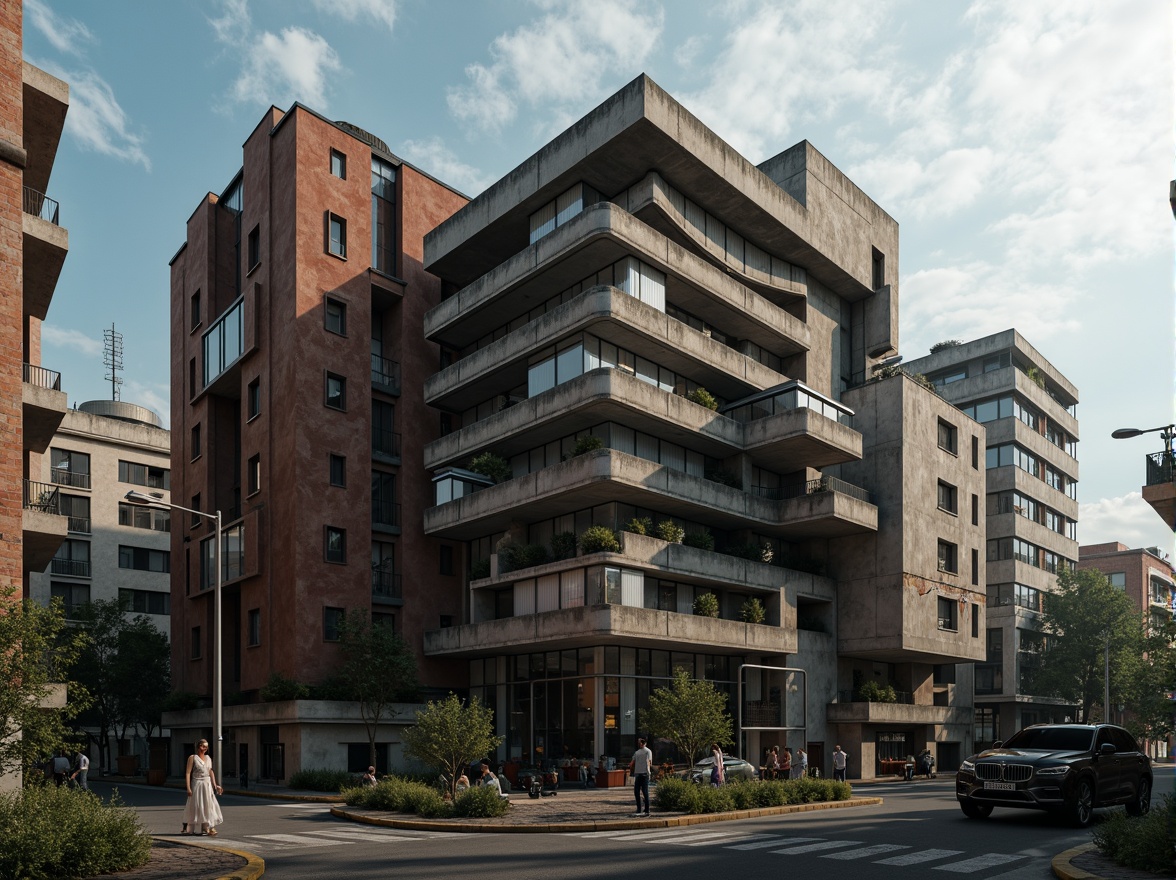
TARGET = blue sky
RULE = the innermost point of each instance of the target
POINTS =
(1023, 146)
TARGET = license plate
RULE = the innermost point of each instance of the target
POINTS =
(999, 786)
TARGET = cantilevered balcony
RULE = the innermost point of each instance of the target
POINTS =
(823, 509)
(1160, 489)
(45, 247)
(42, 525)
(46, 100)
(43, 406)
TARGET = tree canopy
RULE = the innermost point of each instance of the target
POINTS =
(449, 734)
(690, 713)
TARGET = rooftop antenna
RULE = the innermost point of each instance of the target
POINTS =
(112, 352)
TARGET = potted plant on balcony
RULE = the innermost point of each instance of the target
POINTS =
(752, 611)
(599, 539)
(639, 525)
(670, 531)
(707, 605)
(492, 465)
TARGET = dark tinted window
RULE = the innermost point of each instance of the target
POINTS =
(1051, 739)
(1124, 742)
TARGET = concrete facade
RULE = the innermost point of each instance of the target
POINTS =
(1029, 506)
(33, 246)
(297, 369)
(590, 294)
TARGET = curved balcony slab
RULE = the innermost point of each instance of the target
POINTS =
(607, 475)
(617, 317)
(799, 438)
(608, 624)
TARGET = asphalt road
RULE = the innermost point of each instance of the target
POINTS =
(919, 832)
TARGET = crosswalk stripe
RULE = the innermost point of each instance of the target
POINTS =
(979, 863)
(741, 837)
(866, 852)
(660, 834)
(816, 847)
(915, 858)
(362, 835)
(778, 841)
(298, 839)
(709, 838)
(309, 807)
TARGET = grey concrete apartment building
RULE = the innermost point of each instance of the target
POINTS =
(1030, 507)
(590, 298)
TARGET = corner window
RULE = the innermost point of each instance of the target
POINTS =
(253, 403)
(947, 557)
(947, 497)
(338, 165)
(948, 619)
(335, 392)
(947, 436)
(254, 248)
(336, 235)
(335, 316)
(335, 549)
(338, 470)
(332, 618)
(254, 627)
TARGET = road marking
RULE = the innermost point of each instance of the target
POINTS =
(730, 835)
(816, 847)
(310, 807)
(866, 852)
(923, 855)
(298, 840)
(778, 841)
(989, 860)
(362, 835)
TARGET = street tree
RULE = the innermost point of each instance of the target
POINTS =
(449, 734)
(690, 713)
(37, 650)
(1151, 687)
(378, 670)
(1084, 620)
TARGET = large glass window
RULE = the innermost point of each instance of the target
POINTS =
(69, 468)
(148, 475)
(143, 559)
(224, 342)
(383, 216)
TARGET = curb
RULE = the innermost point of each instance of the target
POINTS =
(254, 867)
(601, 825)
(241, 792)
(1063, 866)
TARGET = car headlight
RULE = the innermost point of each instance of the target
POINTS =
(968, 766)
(1053, 771)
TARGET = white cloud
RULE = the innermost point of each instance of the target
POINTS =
(232, 28)
(1127, 519)
(64, 34)
(98, 121)
(153, 396)
(558, 63)
(59, 337)
(687, 53)
(433, 156)
(293, 65)
(382, 11)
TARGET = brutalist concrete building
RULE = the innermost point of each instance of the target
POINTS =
(643, 332)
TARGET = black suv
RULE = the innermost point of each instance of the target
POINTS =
(1071, 768)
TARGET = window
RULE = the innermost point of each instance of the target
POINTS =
(76, 509)
(196, 644)
(253, 628)
(947, 614)
(144, 475)
(385, 508)
(975, 510)
(336, 236)
(1118, 579)
(975, 453)
(335, 316)
(195, 310)
(254, 475)
(879, 269)
(338, 470)
(69, 468)
(254, 248)
(383, 217)
(72, 596)
(944, 673)
(253, 398)
(947, 557)
(947, 436)
(338, 165)
(143, 559)
(196, 517)
(332, 618)
(195, 442)
(145, 601)
(385, 440)
(336, 392)
(947, 497)
(192, 377)
(975, 618)
(72, 558)
(139, 517)
(445, 559)
(336, 545)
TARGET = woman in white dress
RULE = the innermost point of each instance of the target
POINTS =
(202, 810)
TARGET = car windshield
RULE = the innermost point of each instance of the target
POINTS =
(1069, 739)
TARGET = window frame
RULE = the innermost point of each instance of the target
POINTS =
(341, 309)
(950, 623)
(334, 458)
(949, 563)
(952, 505)
(253, 400)
(332, 618)
(253, 249)
(953, 443)
(335, 221)
(253, 475)
(328, 377)
(341, 554)
(337, 165)
(253, 628)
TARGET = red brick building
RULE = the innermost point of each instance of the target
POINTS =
(297, 375)
(1145, 575)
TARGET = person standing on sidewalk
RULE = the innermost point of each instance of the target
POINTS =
(202, 813)
(81, 771)
(640, 767)
(839, 760)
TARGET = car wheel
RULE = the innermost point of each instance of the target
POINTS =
(1081, 808)
(975, 811)
(1141, 803)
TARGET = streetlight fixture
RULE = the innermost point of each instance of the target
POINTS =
(155, 499)
(1168, 432)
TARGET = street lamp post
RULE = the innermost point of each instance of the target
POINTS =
(144, 499)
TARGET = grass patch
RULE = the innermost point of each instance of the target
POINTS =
(1146, 843)
(333, 781)
(682, 796)
(52, 833)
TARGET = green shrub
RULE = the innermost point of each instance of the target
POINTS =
(668, 530)
(752, 611)
(724, 476)
(491, 465)
(599, 539)
(640, 525)
(49, 833)
(480, 569)
(873, 692)
(480, 802)
(320, 779)
(586, 443)
(398, 795)
(707, 605)
(515, 556)
(1146, 843)
(563, 545)
(703, 398)
(279, 688)
(701, 540)
(683, 796)
(947, 343)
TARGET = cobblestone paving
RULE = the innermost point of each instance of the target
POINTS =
(176, 861)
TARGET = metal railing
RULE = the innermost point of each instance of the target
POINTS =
(80, 524)
(387, 584)
(39, 376)
(385, 442)
(1161, 468)
(385, 513)
(40, 205)
(44, 497)
(72, 567)
(797, 488)
(66, 477)
(386, 374)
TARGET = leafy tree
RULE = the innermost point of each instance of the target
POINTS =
(36, 653)
(1148, 687)
(449, 734)
(689, 713)
(142, 676)
(1081, 619)
(378, 669)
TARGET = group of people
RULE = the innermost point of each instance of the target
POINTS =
(786, 766)
(64, 771)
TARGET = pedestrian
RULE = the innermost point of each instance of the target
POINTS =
(718, 771)
(926, 763)
(463, 783)
(81, 771)
(60, 767)
(202, 810)
(369, 779)
(488, 778)
(640, 767)
(839, 761)
(800, 764)
(786, 764)
(772, 765)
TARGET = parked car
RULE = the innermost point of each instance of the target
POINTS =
(733, 768)
(1069, 768)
